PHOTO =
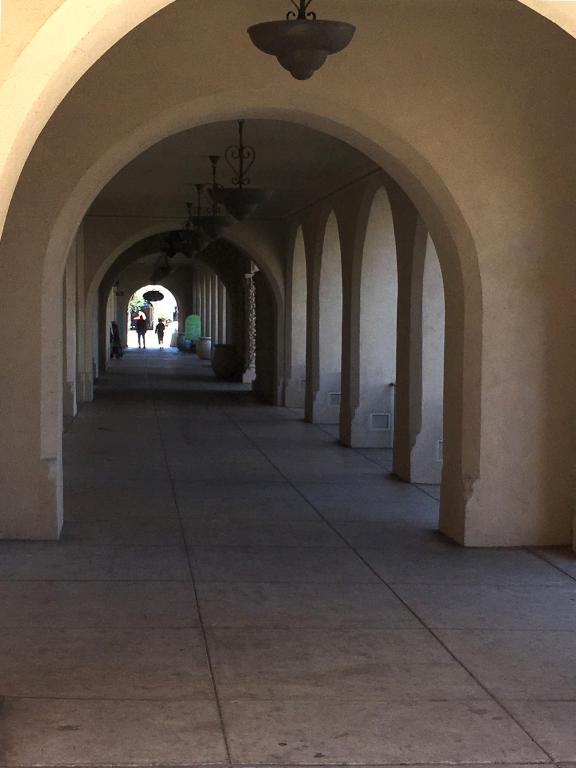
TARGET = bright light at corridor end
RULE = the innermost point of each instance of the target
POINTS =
(302, 43)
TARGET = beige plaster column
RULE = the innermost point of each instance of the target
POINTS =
(411, 238)
(69, 405)
(221, 313)
(326, 399)
(208, 302)
(372, 416)
(426, 458)
(204, 304)
(111, 314)
(84, 365)
(31, 488)
(229, 335)
(296, 310)
(214, 308)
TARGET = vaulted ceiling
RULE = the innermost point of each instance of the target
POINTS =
(295, 164)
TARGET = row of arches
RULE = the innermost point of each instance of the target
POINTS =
(368, 420)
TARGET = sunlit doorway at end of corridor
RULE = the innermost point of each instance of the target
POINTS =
(154, 311)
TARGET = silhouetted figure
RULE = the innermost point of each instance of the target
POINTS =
(160, 328)
(116, 350)
(141, 328)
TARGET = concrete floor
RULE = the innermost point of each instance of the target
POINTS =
(233, 586)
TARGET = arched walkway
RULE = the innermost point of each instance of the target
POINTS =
(438, 186)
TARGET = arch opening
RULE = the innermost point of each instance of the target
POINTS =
(327, 398)
(373, 421)
(164, 310)
(330, 334)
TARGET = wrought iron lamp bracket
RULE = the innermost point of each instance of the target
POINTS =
(302, 11)
(240, 158)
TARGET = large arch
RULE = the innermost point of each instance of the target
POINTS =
(69, 217)
(435, 183)
(59, 48)
(59, 51)
(124, 241)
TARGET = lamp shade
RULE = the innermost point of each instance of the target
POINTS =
(301, 45)
(240, 202)
(152, 296)
(213, 226)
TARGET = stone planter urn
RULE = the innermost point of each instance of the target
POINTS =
(183, 344)
(227, 363)
(204, 347)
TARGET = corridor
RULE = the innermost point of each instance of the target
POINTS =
(232, 586)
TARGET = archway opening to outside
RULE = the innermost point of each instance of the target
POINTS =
(154, 312)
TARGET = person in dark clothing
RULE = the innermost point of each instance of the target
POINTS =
(141, 328)
(116, 350)
(160, 328)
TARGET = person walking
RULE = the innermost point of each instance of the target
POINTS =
(141, 328)
(160, 328)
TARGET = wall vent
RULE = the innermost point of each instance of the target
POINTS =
(334, 398)
(380, 422)
(440, 450)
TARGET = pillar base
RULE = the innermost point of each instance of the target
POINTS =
(249, 376)
(295, 394)
(69, 404)
(85, 388)
(34, 511)
(475, 517)
(325, 409)
(362, 436)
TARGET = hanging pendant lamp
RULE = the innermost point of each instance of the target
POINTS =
(302, 43)
(193, 238)
(240, 200)
(152, 296)
(214, 224)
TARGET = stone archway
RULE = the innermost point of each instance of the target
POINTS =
(58, 53)
(435, 180)
(51, 282)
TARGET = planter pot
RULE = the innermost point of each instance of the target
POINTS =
(226, 362)
(184, 344)
(204, 347)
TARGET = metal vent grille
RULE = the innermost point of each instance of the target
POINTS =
(334, 398)
(440, 450)
(380, 422)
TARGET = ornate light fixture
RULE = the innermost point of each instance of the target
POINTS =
(152, 296)
(192, 237)
(302, 43)
(213, 224)
(239, 200)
